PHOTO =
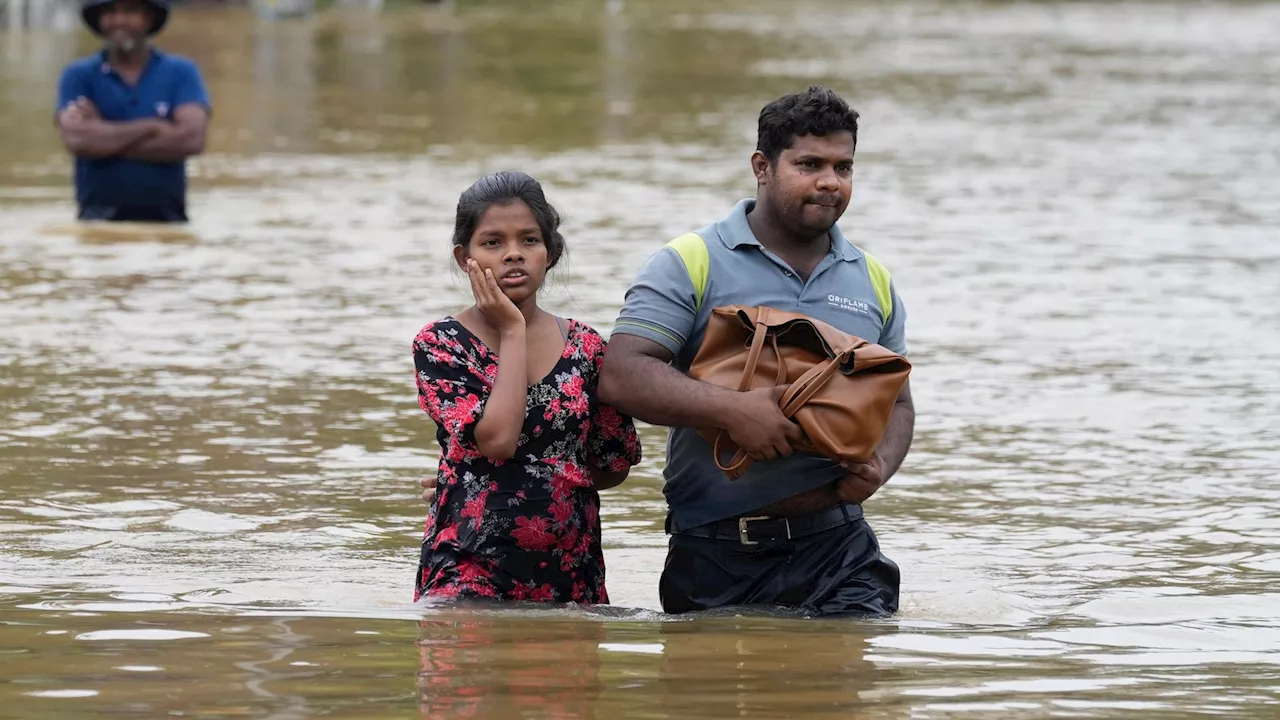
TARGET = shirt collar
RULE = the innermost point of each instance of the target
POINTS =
(735, 232)
(106, 69)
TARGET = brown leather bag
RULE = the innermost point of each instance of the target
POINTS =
(840, 391)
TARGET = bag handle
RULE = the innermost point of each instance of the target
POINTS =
(762, 332)
(740, 461)
(737, 465)
(808, 385)
(753, 356)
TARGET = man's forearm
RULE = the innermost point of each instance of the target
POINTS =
(171, 144)
(100, 139)
(655, 392)
(898, 435)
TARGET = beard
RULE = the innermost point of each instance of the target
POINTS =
(807, 220)
(124, 45)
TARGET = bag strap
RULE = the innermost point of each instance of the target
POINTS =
(760, 334)
(740, 461)
(781, 377)
(808, 385)
(737, 465)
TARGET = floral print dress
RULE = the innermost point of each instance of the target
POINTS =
(527, 528)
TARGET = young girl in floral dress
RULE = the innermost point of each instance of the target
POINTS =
(525, 443)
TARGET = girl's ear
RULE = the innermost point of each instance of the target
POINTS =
(460, 256)
(555, 249)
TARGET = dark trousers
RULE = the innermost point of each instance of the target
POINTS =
(835, 571)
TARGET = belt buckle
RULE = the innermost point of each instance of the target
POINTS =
(742, 528)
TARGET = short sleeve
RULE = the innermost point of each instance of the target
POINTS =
(894, 334)
(661, 304)
(70, 86)
(613, 444)
(450, 389)
(190, 87)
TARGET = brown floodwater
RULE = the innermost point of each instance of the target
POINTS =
(210, 445)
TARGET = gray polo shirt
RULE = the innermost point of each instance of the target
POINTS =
(724, 264)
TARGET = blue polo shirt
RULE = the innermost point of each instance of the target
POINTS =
(724, 264)
(117, 188)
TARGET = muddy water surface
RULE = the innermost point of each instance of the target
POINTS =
(209, 442)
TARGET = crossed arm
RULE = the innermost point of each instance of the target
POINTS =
(84, 133)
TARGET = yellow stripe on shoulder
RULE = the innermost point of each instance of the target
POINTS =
(880, 282)
(692, 250)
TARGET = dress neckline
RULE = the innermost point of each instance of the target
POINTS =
(569, 334)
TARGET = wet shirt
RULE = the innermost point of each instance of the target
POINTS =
(119, 188)
(670, 302)
(527, 528)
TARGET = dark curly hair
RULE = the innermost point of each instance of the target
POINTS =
(501, 188)
(816, 111)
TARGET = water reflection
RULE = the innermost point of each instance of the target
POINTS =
(825, 669)
(542, 667)
(264, 683)
(283, 106)
(617, 86)
(107, 233)
(620, 663)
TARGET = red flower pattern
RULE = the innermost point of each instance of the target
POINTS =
(543, 593)
(561, 512)
(473, 509)
(533, 534)
(528, 528)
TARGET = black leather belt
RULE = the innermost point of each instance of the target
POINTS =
(756, 529)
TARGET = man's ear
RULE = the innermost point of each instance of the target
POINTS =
(760, 167)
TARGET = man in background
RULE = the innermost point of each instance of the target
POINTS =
(131, 115)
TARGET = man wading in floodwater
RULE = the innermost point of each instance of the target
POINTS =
(131, 115)
(789, 532)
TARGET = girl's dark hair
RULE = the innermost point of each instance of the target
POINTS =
(501, 188)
